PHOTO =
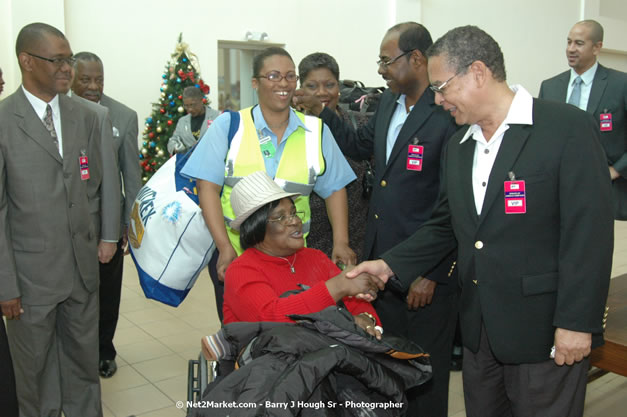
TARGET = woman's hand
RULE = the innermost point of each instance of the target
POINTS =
(367, 324)
(342, 252)
(224, 260)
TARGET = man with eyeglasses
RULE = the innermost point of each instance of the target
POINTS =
(526, 200)
(51, 176)
(406, 135)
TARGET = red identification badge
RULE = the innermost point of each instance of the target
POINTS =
(515, 201)
(606, 122)
(414, 157)
(84, 167)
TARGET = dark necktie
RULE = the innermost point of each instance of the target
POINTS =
(50, 126)
(575, 95)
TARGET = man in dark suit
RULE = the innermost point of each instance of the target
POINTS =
(603, 93)
(89, 84)
(406, 136)
(534, 235)
(51, 176)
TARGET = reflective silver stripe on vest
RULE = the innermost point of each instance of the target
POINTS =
(306, 226)
(231, 181)
(294, 187)
(313, 145)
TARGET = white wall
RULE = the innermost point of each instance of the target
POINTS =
(135, 38)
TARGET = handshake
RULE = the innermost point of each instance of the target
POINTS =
(361, 281)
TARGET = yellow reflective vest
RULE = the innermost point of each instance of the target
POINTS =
(300, 165)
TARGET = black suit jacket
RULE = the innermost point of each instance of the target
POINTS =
(401, 199)
(608, 95)
(523, 275)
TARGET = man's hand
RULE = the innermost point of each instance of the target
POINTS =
(125, 246)
(366, 323)
(106, 250)
(377, 268)
(344, 253)
(12, 309)
(571, 346)
(420, 293)
(306, 103)
(613, 173)
(224, 260)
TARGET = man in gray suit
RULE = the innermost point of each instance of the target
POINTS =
(89, 84)
(600, 91)
(50, 176)
(194, 124)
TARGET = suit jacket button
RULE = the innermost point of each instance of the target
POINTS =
(479, 244)
(376, 216)
(474, 281)
(383, 183)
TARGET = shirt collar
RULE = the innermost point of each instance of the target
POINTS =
(40, 106)
(401, 101)
(520, 111)
(293, 123)
(587, 77)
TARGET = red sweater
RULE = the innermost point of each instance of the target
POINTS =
(255, 281)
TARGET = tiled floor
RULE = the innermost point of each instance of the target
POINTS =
(155, 341)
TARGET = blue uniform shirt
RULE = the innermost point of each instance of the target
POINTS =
(207, 162)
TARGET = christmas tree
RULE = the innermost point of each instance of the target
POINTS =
(180, 72)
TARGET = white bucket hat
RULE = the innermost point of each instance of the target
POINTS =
(252, 192)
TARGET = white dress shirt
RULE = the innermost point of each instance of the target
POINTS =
(521, 113)
(396, 124)
(40, 109)
(586, 85)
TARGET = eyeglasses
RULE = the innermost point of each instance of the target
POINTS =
(389, 62)
(276, 76)
(314, 86)
(56, 61)
(287, 219)
(440, 88)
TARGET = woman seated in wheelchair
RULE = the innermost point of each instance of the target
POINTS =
(276, 261)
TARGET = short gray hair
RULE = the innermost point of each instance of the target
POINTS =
(193, 92)
(467, 44)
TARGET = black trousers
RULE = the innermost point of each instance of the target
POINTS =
(8, 395)
(433, 328)
(494, 389)
(218, 286)
(110, 292)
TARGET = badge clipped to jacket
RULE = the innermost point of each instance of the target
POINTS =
(605, 120)
(515, 199)
(83, 165)
(414, 157)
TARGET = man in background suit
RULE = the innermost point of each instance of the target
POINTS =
(8, 396)
(534, 235)
(194, 124)
(89, 84)
(406, 136)
(50, 176)
(601, 92)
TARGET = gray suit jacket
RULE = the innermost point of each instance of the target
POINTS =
(125, 144)
(109, 216)
(608, 95)
(182, 139)
(47, 235)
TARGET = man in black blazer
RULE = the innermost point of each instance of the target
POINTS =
(603, 94)
(406, 136)
(526, 200)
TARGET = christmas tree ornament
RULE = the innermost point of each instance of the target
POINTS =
(169, 122)
(181, 109)
(159, 129)
(162, 95)
(151, 135)
(144, 151)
